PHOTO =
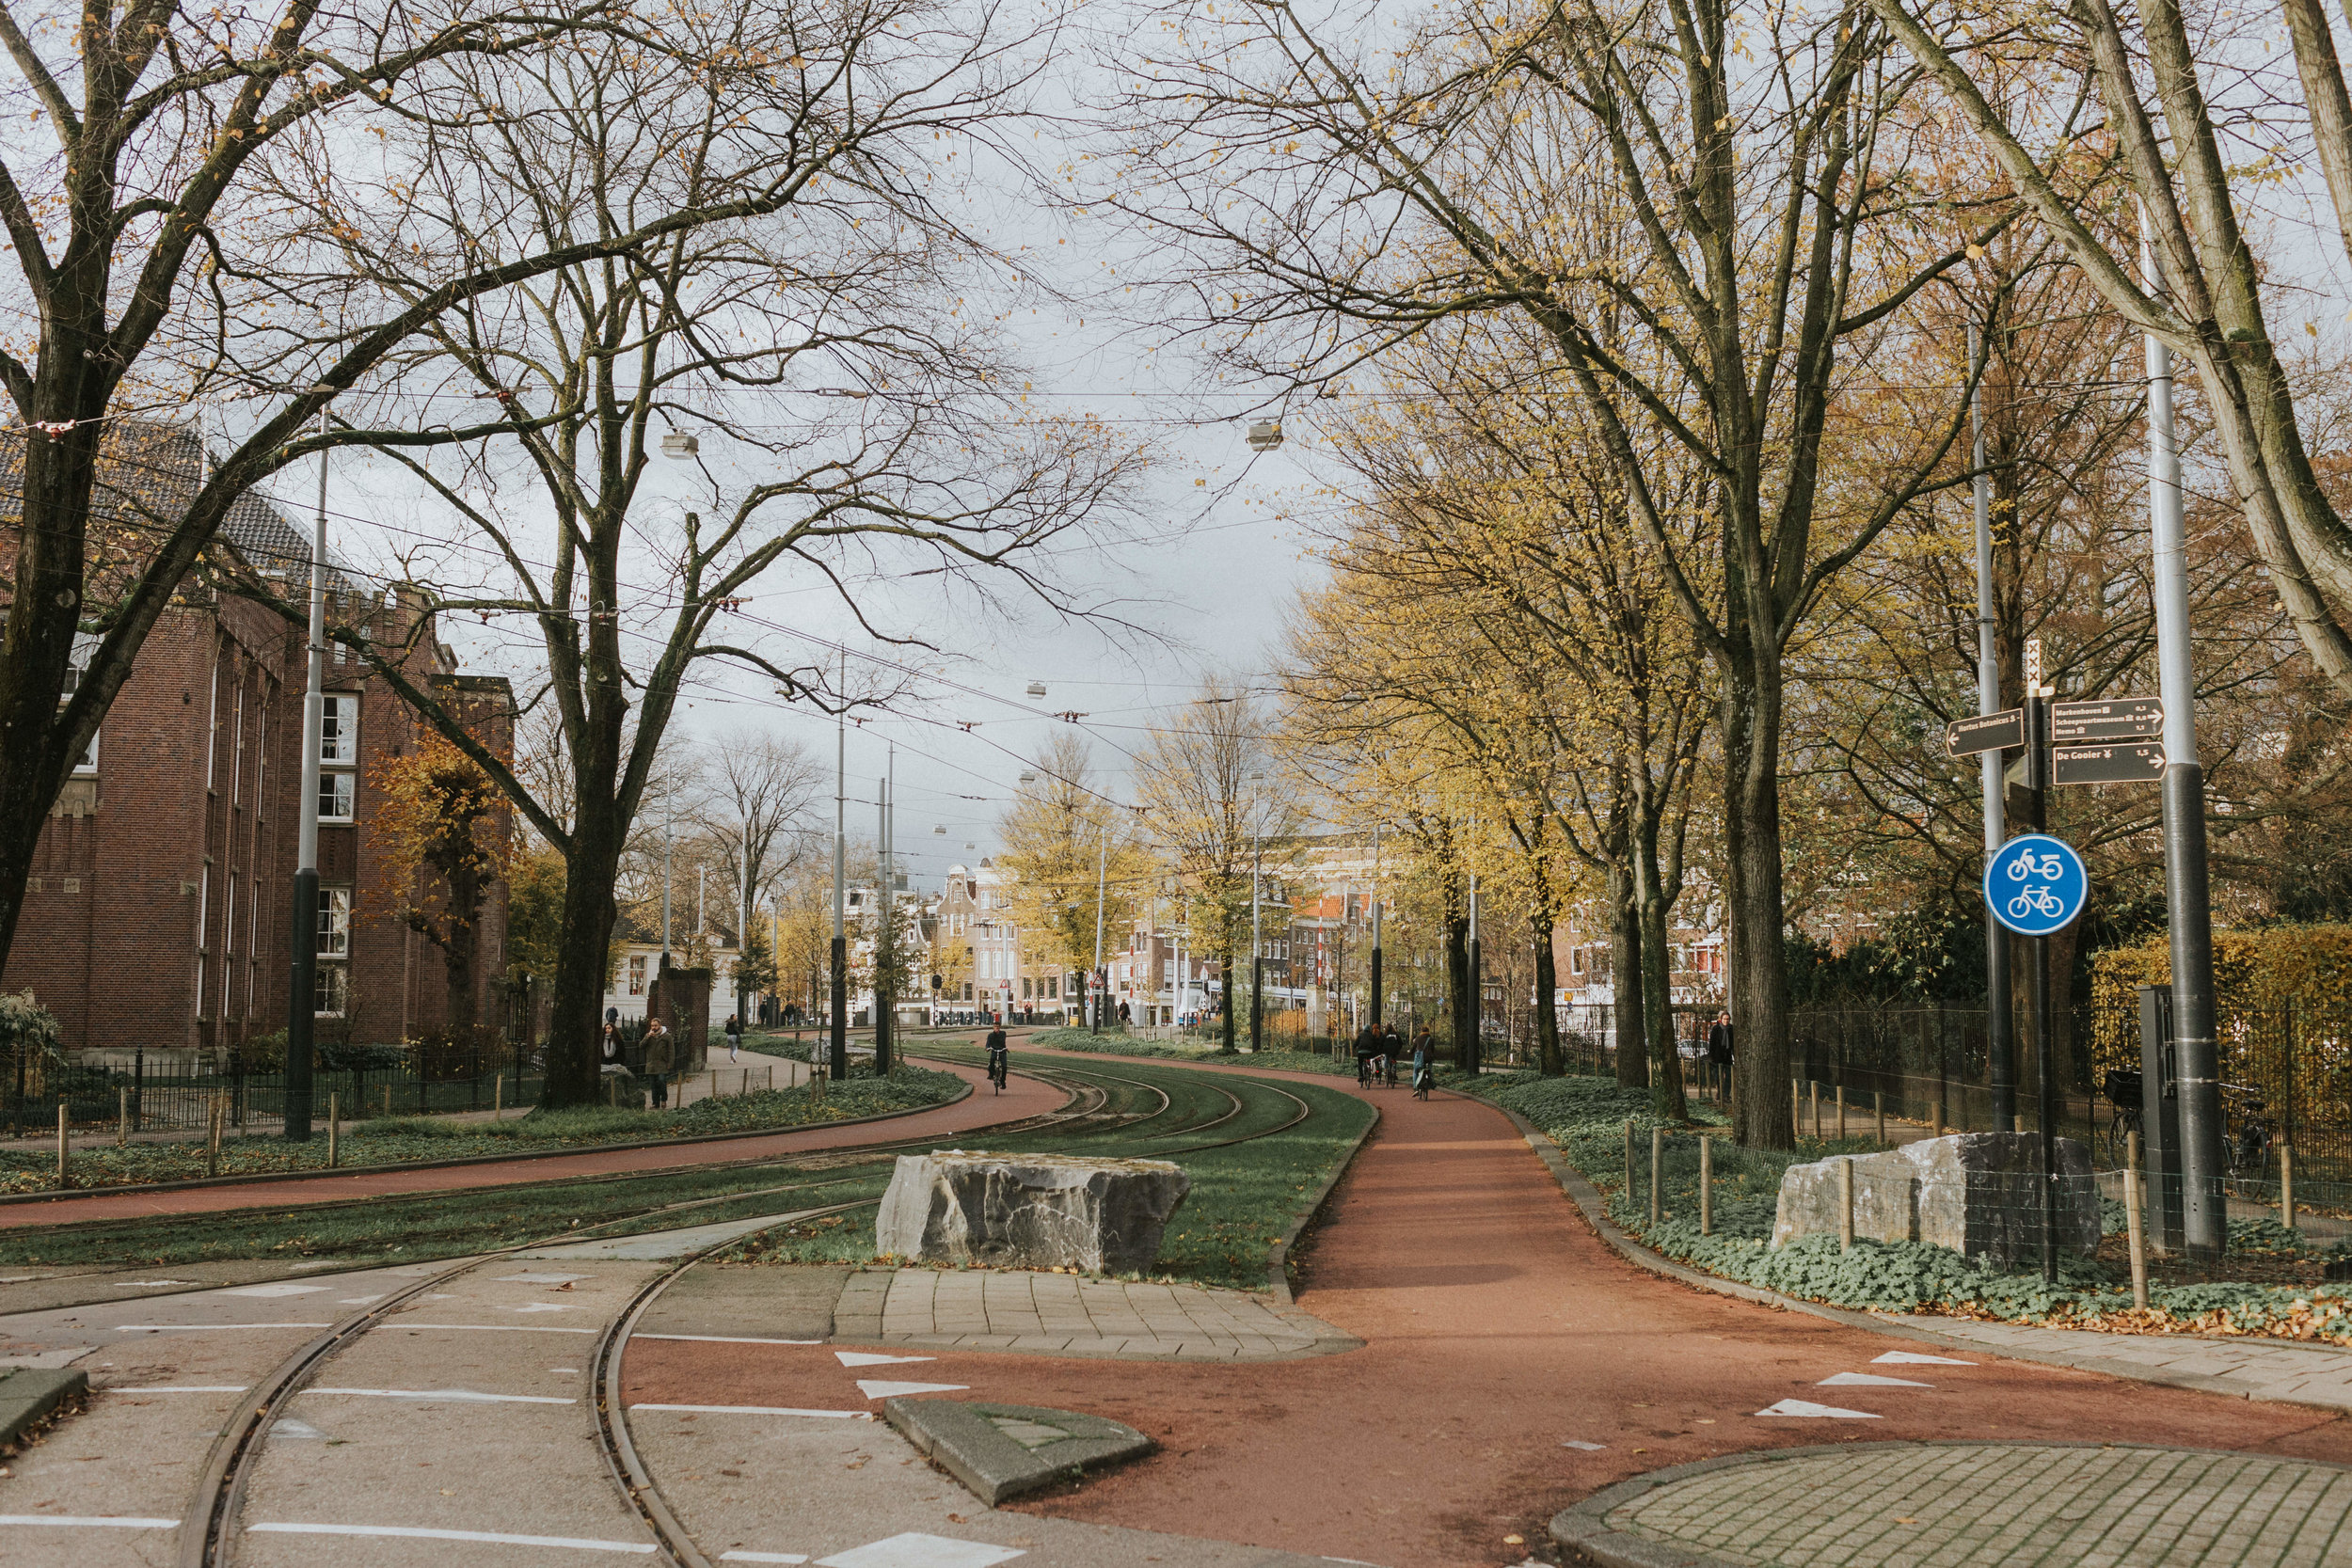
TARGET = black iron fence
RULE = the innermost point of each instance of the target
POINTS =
(140, 1099)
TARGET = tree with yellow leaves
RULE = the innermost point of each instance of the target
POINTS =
(1077, 866)
(445, 836)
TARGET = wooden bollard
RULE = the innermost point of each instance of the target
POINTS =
(2136, 1233)
(1706, 1175)
(498, 1097)
(1841, 1113)
(122, 1115)
(211, 1140)
(1878, 1099)
(64, 1177)
(334, 1132)
(1657, 1174)
(1629, 1157)
(2286, 1185)
(1845, 1205)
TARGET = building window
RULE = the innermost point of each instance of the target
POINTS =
(88, 765)
(339, 757)
(331, 991)
(1052, 988)
(1024, 990)
(637, 974)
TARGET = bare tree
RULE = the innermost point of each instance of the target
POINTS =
(726, 332)
(1209, 784)
(142, 187)
(757, 804)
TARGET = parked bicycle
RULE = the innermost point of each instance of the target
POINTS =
(2249, 1130)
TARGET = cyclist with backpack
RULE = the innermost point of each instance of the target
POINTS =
(1000, 1057)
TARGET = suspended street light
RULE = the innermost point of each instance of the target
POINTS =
(1266, 435)
(1037, 689)
(677, 443)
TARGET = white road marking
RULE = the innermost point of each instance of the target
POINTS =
(280, 1290)
(547, 1306)
(1807, 1407)
(916, 1550)
(203, 1328)
(119, 1522)
(130, 1284)
(463, 1395)
(487, 1328)
(725, 1339)
(874, 1389)
(867, 1359)
(537, 1278)
(763, 1556)
(1580, 1443)
(760, 1410)
(1913, 1358)
(301, 1432)
(182, 1389)
(358, 1301)
(493, 1537)
(1869, 1380)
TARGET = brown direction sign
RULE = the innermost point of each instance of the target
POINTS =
(2131, 762)
(2111, 719)
(1991, 732)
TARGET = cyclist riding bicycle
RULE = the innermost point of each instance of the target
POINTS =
(1000, 1057)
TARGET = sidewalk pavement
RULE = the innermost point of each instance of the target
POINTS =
(2250, 1368)
(1051, 1314)
(1991, 1505)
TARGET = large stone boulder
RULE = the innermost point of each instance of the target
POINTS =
(1030, 1211)
(1979, 1194)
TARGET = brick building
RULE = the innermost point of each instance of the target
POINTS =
(157, 913)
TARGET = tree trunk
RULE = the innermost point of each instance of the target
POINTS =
(1548, 1060)
(574, 1023)
(1658, 1017)
(1624, 970)
(1457, 984)
(458, 953)
(1760, 970)
(1231, 945)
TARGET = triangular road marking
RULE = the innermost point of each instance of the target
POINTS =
(1807, 1407)
(867, 1359)
(874, 1389)
(1869, 1380)
(1913, 1358)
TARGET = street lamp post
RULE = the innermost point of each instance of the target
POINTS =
(837, 1065)
(1098, 983)
(302, 1006)
(1375, 925)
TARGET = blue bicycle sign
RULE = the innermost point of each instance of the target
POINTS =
(2036, 884)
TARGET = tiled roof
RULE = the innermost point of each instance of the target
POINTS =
(148, 472)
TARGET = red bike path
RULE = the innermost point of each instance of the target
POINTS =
(1499, 1329)
(1023, 1097)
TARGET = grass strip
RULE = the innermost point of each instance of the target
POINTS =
(401, 1140)
(1243, 1196)
(1111, 1043)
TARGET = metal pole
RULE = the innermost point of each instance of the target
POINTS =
(2000, 1019)
(1257, 944)
(838, 1064)
(2036, 778)
(669, 819)
(1473, 1049)
(1098, 983)
(1376, 926)
(2188, 903)
(885, 936)
(303, 930)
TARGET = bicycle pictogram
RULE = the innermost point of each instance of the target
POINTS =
(2035, 884)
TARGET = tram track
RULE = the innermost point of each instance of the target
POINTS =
(211, 1527)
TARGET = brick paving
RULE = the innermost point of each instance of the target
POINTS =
(2254, 1369)
(1060, 1314)
(1991, 1505)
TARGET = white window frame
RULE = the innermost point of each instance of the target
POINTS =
(338, 758)
(333, 962)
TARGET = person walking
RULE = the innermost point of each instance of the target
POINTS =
(661, 1060)
(1392, 1048)
(1719, 1039)
(735, 1038)
(1424, 1063)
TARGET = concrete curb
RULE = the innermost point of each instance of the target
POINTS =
(71, 1195)
(27, 1394)
(1588, 1199)
(1277, 1257)
(964, 1440)
(1583, 1528)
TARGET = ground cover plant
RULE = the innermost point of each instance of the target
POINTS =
(2092, 1291)
(1246, 1189)
(401, 1140)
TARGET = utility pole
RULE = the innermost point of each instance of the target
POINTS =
(1098, 983)
(1257, 941)
(1375, 925)
(1473, 1049)
(1999, 1017)
(2187, 900)
(886, 935)
(302, 1006)
(744, 934)
(2038, 974)
(837, 1065)
(669, 818)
